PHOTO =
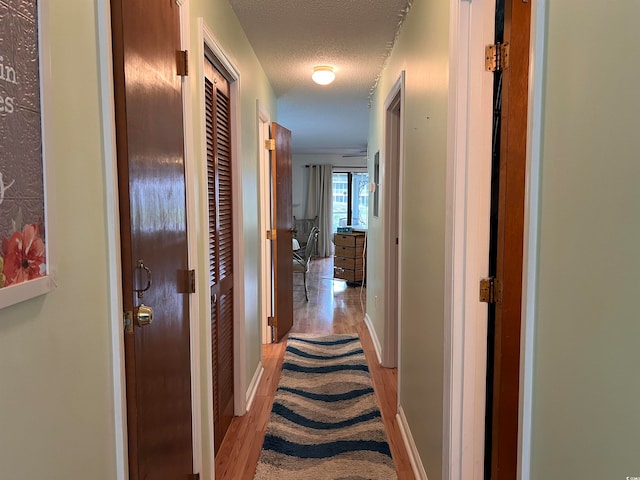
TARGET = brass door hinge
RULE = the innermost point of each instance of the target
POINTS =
(270, 144)
(128, 321)
(496, 57)
(182, 62)
(271, 234)
(188, 281)
(272, 322)
(490, 290)
(191, 277)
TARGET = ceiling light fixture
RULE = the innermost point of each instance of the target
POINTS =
(323, 74)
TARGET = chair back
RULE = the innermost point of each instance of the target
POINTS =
(310, 247)
(303, 227)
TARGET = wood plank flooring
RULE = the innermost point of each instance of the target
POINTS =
(333, 307)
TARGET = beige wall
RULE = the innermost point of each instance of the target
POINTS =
(421, 51)
(56, 408)
(586, 386)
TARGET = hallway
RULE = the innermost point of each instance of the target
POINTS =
(332, 308)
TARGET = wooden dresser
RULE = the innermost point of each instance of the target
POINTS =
(348, 261)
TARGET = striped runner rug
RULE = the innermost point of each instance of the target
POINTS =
(325, 422)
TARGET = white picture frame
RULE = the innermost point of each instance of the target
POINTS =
(25, 231)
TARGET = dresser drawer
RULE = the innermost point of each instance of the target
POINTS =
(348, 239)
(348, 252)
(348, 263)
(348, 275)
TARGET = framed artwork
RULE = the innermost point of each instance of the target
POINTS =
(375, 187)
(25, 233)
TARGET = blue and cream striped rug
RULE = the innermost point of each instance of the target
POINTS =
(325, 422)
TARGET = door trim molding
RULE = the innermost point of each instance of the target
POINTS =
(192, 239)
(537, 55)
(264, 124)
(393, 313)
(116, 328)
(206, 37)
(468, 197)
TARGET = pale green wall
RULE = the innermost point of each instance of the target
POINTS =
(56, 408)
(254, 85)
(586, 386)
(221, 20)
(422, 51)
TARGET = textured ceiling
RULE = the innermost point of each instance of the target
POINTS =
(290, 37)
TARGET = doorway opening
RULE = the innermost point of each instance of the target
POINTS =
(266, 224)
(221, 239)
(512, 30)
(394, 110)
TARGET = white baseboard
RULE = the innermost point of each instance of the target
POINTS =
(253, 386)
(374, 337)
(410, 445)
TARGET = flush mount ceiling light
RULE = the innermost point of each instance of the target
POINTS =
(323, 74)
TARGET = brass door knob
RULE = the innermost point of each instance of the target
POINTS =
(143, 315)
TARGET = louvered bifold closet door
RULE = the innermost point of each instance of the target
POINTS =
(219, 182)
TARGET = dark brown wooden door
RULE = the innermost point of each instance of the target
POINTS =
(281, 172)
(508, 239)
(219, 158)
(148, 97)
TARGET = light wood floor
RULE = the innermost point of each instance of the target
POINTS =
(332, 308)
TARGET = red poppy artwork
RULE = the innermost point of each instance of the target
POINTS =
(23, 252)
(23, 256)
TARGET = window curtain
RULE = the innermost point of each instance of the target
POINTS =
(319, 203)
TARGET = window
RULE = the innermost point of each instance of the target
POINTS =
(350, 199)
